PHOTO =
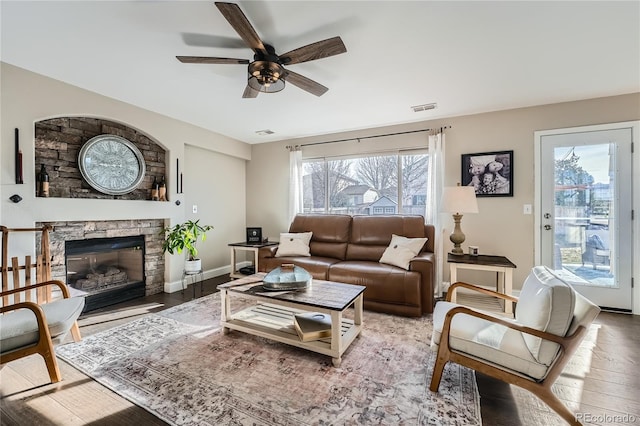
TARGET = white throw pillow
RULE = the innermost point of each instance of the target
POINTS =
(401, 250)
(294, 244)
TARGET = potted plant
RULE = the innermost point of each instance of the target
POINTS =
(184, 236)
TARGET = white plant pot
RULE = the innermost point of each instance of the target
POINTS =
(192, 266)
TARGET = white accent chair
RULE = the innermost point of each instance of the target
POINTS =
(28, 328)
(530, 350)
(32, 319)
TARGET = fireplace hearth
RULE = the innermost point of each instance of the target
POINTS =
(108, 270)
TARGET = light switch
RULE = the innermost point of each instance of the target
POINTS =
(528, 209)
(195, 208)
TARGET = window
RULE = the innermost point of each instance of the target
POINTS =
(366, 185)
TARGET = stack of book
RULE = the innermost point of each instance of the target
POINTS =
(312, 326)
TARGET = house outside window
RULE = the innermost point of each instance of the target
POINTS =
(366, 185)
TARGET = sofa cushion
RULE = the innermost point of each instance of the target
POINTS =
(371, 235)
(384, 282)
(330, 233)
(401, 250)
(317, 266)
(294, 244)
(546, 303)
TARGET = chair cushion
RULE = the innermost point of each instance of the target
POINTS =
(583, 314)
(19, 328)
(481, 339)
(546, 303)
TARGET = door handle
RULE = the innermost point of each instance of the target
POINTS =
(547, 227)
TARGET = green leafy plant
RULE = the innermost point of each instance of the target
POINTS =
(184, 236)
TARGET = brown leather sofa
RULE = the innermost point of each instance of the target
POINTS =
(348, 249)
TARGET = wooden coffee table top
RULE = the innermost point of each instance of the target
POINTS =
(323, 294)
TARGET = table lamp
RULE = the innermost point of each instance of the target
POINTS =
(458, 200)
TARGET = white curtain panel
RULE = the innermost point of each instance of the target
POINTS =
(295, 182)
(435, 184)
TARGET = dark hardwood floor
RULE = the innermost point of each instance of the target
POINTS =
(609, 387)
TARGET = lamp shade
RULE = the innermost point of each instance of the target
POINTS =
(459, 199)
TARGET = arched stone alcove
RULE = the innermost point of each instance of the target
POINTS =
(59, 140)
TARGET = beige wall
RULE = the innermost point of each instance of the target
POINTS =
(500, 228)
(28, 97)
(217, 187)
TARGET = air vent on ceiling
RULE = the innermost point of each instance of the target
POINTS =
(424, 107)
(264, 132)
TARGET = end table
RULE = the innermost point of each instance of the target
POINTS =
(500, 264)
(244, 246)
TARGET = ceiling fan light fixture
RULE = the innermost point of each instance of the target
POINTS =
(266, 76)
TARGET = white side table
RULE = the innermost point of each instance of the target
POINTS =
(500, 264)
(252, 247)
(193, 276)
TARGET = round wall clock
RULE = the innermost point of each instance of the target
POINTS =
(111, 164)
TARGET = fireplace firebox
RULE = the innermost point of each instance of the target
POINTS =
(108, 270)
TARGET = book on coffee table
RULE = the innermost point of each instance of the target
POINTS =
(312, 326)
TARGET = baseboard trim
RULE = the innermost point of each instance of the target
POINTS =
(172, 287)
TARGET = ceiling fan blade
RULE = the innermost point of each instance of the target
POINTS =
(210, 40)
(305, 83)
(210, 60)
(250, 92)
(233, 14)
(318, 50)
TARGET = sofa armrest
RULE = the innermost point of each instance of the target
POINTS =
(269, 251)
(424, 263)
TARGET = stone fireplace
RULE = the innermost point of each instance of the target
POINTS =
(78, 212)
(79, 258)
(108, 270)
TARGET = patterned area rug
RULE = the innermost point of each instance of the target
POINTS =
(177, 365)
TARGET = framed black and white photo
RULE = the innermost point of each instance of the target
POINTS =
(254, 235)
(490, 173)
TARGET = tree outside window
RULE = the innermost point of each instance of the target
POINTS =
(366, 185)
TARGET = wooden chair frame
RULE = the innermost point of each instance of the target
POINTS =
(42, 265)
(44, 346)
(19, 297)
(541, 389)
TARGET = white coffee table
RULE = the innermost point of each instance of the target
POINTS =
(271, 316)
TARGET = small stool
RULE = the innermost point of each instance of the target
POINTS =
(194, 276)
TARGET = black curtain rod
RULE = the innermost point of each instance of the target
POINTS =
(369, 137)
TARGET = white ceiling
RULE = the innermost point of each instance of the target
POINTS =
(467, 57)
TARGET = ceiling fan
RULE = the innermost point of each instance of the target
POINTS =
(267, 73)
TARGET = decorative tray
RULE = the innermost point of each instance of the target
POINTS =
(287, 277)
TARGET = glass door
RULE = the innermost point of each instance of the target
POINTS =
(585, 211)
